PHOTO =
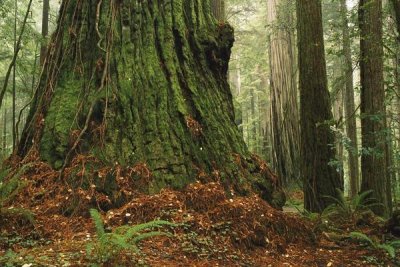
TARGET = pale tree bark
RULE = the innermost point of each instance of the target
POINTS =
(319, 177)
(349, 105)
(285, 132)
(373, 116)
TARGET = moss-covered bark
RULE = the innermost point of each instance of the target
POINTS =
(141, 82)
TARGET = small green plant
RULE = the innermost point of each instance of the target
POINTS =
(8, 191)
(389, 247)
(108, 246)
(349, 209)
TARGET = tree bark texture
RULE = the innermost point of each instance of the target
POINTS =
(142, 82)
(349, 105)
(373, 120)
(320, 178)
(396, 5)
(45, 29)
(218, 9)
(285, 130)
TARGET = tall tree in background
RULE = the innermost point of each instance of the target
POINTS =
(218, 9)
(320, 178)
(285, 132)
(45, 29)
(373, 120)
(349, 105)
(396, 5)
(142, 83)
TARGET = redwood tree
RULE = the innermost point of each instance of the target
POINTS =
(320, 179)
(142, 82)
(285, 130)
(349, 106)
(373, 120)
(396, 6)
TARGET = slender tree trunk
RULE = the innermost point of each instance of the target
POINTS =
(320, 178)
(45, 30)
(14, 59)
(285, 130)
(396, 5)
(142, 83)
(349, 106)
(373, 117)
(5, 131)
(14, 133)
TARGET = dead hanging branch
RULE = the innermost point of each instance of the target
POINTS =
(17, 49)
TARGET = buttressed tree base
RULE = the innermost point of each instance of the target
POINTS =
(142, 83)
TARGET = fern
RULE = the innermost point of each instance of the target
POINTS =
(389, 247)
(98, 222)
(9, 189)
(395, 244)
(362, 238)
(124, 238)
(350, 209)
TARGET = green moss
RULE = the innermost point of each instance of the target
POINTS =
(60, 121)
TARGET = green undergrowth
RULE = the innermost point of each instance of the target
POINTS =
(108, 246)
(9, 189)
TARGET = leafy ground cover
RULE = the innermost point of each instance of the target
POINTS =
(208, 226)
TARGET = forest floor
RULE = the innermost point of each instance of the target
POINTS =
(210, 229)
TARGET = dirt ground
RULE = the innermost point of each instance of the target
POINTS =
(212, 228)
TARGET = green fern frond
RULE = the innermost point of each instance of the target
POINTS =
(22, 213)
(133, 230)
(98, 222)
(3, 174)
(340, 196)
(362, 238)
(389, 249)
(331, 209)
(10, 188)
(361, 200)
(148, 235)
(395, 244)
(110, 245)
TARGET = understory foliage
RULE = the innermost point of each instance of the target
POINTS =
(9, 189)
(352, 209)
(108, 246)
(389, 247)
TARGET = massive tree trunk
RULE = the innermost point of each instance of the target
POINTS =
(349, 106)
(142, 83)
(284, 113)
(320, 178)
(373, 117)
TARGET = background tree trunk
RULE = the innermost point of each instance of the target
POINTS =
(143, 82)
(218, 9)
(396, 5)
(45, 29)
(373, 120)
(320, 178)
(349, 106)
(285, 130)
